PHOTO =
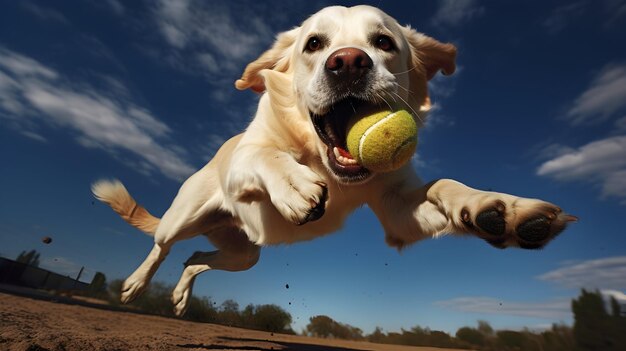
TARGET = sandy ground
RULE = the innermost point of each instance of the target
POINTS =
(37, 324)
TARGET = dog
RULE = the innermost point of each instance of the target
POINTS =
(285, 179)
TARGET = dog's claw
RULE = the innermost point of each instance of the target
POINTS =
(568, 218)
(319, 209)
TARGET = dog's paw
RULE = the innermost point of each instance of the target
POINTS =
(180, 299)
(132, 288)
(300, 195)
(511, 221)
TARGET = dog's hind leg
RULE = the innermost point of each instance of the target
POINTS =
(136, 283)
(235, 253)
(195, 208)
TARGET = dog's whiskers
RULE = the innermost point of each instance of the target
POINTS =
(407, 71)
(384, 100)
(409, 106)
(403, 88)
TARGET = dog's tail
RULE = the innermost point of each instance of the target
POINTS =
(113, 193)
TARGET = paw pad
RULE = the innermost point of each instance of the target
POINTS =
(492, 220)
(535, 229)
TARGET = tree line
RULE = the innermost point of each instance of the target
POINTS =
(595, 329)
(156, 300)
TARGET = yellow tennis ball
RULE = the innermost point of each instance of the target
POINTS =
(383, 141)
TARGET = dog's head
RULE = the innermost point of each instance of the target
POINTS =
(344, 60)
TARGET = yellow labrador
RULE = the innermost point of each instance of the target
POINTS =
(287, 178)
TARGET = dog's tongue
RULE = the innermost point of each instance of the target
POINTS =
(344, 152)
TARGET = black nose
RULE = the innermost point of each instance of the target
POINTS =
(349, 63)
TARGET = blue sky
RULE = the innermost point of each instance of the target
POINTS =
(143, 91)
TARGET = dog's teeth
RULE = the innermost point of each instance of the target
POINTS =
(342, 159)
(336, 152)
(347, 161)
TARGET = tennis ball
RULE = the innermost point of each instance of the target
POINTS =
(383, 141)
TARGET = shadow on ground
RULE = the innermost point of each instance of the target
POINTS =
(280, 345)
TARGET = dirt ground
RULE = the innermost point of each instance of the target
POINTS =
(37, 324)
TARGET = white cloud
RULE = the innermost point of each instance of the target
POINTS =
(456, 12)
(601, 156)
(39, 94)
(616, 294)
(605, 96)
(210, 39)
(601, 162)
(553, 309)
(604, 273)
(24, 67)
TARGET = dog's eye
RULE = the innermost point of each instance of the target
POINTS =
(384, 43)
(313, 44)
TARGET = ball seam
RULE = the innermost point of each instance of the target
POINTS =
(370, 129)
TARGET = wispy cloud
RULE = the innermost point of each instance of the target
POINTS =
(553, 309)
(34, 94)
(605, 96)
(601, 162)
(210, 38)
(604, 273)
(34, 136)
(116, 6)
(562, 15)
(452, 13)
(608, 275)
(44, 13)
(616, 10)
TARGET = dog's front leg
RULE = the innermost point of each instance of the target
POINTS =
(255, 174)
(410, 212)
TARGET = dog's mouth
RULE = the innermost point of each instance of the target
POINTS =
(331, 128)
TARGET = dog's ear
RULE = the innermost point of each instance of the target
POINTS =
(276, 58)
(427, 57)
(430, 54)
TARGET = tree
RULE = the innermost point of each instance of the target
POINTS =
(30, 258)
(594, 328)
(559, 338)
(229, 314)
(326, 327)
(471, 336)
(377, 335)
(320, 326)
(485, 328)
(512, 340)
(201, 310)
(270, 318)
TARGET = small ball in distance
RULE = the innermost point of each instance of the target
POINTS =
(383, 141)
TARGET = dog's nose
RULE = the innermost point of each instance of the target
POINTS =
(349, 63)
